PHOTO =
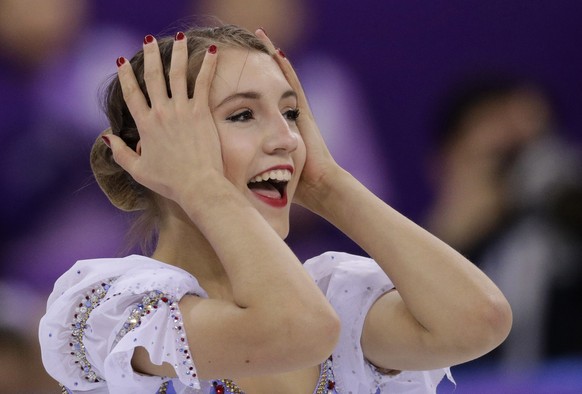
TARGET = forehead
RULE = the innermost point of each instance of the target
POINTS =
(240, 70)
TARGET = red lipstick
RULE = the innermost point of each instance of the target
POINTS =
(273, 195)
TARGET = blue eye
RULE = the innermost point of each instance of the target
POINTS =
(241, 116)
(292, 114)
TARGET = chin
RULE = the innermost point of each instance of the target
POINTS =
(278, 220)
(282, 230)
(280, 225)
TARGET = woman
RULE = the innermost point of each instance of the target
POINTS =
(226, 141)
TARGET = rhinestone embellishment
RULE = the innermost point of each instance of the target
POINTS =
(326, 384)
(145, 307)
(79, 325)
(150, 303)
(225, 386)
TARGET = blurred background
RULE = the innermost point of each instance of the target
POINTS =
(463, 115)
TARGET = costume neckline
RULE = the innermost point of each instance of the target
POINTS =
(325, 383)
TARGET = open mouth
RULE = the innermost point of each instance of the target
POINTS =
(271, 185)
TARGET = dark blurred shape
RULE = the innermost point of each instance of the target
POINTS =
(50, 73)
(15, 356)
(21, 369)
(33, 32)
(508, 193)
(51, 211)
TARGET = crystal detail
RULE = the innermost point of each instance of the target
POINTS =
(148, 305)
(325, 385)
(87, 303)
(148, 302)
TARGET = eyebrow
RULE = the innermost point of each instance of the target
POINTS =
(253, 95)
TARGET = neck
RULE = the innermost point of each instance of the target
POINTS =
(181, 244)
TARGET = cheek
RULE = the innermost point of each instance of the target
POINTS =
(300, 154)
(237, 154)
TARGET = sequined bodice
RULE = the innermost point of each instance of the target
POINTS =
(325, 385)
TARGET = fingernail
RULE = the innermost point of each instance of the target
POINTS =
(281, 53)
(179, 36)
(120, 61)
(106, 141)
(212, 49)
(148, 39)
(264, 31)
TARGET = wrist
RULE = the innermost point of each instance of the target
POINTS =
(324, 196)
(197, 196)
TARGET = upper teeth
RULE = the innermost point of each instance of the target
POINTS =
(278, 175)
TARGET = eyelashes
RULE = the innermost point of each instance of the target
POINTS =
(292, 114)
(243, 116)
(247, 114)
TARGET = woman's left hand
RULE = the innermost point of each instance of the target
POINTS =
(320, 167)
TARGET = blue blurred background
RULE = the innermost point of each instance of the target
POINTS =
(463, 115)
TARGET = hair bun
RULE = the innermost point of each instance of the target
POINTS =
(119, 187)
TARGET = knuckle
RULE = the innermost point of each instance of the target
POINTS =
(129, 91)
(158, 112)
(151, 73)
(200, 93)
(117, 158)
(198, 110)
(176, 71)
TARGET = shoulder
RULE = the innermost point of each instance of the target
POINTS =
(352, 284)
(338, 271)
(96, 304)
(132, 274)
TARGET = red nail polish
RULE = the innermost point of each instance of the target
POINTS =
(179, 36)
(106, 141)
(281, 53)
(120, 61)
(148, 39)
(264, 31)
(212, 49)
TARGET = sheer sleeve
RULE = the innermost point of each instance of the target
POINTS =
(352, 284)
(101, 310)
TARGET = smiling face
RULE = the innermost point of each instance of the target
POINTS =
(255, 109)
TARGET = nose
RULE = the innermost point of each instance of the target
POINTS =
(282, 136)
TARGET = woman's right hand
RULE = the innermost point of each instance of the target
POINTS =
(179, 147)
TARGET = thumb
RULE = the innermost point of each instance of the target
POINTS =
(122, 154)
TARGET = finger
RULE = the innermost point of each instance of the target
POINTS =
(179, 66)
(122, 154)
(153, 71)
(293, 80)
(287, 70)
(132, 94)
(205, 77)
(261, 35)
